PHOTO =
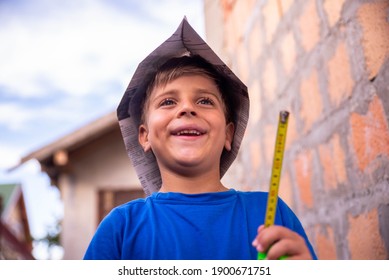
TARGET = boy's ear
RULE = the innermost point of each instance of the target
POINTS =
(230, 129)
(143, 138)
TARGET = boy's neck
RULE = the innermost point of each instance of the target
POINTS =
(191, 185)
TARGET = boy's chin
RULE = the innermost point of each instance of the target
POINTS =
(191, 166)
(188, 163)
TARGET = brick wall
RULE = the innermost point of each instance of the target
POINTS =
(327, 62)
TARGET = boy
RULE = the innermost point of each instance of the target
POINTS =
(182, 118)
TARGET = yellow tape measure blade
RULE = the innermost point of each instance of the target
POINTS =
(276, 168)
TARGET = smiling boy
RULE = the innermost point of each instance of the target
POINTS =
(183, 117)
(185, 126)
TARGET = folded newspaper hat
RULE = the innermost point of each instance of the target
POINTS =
(183, 42)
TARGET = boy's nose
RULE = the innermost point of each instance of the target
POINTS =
(187, 109)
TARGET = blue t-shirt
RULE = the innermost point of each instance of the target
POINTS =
(187, 226)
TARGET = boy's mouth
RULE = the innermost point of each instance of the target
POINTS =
(188, 133)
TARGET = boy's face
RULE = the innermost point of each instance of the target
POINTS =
(185, 125)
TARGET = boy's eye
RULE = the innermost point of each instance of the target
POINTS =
(167, 102)
(206, 101)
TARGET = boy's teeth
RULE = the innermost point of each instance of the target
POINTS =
(186, 132)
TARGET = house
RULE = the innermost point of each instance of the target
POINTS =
(15, 237)
(91, 169)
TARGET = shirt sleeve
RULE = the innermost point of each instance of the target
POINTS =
(106, 242)
(290, 220)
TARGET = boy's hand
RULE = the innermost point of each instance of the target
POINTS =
(278, 241)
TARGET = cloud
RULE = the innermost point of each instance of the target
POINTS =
(17, 116)
(10, 156)
(79, 49)
(73, 52)
(13, 116)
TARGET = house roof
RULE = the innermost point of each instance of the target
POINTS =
(70, 142)
(75, 139)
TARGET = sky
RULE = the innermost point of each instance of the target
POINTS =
(63, 65)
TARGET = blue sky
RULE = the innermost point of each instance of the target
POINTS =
(65, 64)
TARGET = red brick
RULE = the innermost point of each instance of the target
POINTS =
(325, 243)
(332, 159)
(235, 14)
(303, 168)
(370, 134)
(285, 189)
(255, 152)
(309, 24)
(235, 20)
(243, 10)
(311, 102)
(232, 37)
(243, 63)
(373, 18)
(288, 49)
(227, 7)
(365, 241)
(255, 101)
(272, 18)
(333, 10)
(270, 133)
(270, 80)
(292, 131)
(340, 82)
(285, 5)
(255, 42)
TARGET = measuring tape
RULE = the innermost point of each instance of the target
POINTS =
(276, 173)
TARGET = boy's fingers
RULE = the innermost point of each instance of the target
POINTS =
(278, 241)
(256, 243)
(285, 248)
(260, 228)
(267, 236)
(290, 245)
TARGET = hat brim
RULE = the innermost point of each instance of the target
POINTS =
(185, 40)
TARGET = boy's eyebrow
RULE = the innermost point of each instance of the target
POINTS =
(175, 92)
(217, 95)
(166, 93)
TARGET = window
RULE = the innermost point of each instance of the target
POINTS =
(108, 199)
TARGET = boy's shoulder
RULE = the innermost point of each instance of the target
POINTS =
(138, 202)
(261, 197)
(252, 195)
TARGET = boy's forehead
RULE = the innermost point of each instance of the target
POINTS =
(200, 82)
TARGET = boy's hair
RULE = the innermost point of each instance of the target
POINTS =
(192, 65)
